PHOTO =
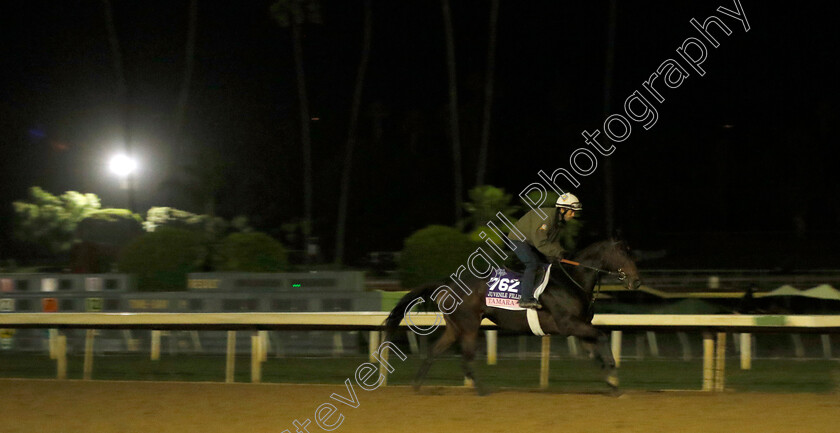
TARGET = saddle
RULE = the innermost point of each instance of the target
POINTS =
(503, 289)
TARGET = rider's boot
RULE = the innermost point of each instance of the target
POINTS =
(530, 303)
(527, 290)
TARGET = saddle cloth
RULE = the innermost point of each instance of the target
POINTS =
(504, 288)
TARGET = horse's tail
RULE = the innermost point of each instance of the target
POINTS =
(392, 323)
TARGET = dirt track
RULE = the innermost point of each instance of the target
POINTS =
(46, 406)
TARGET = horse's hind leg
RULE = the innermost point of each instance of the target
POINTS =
(469, 341)
(449, 336)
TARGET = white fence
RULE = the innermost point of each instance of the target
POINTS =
(714, 328)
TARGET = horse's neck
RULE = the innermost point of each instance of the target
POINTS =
(587, 279)
(584, 274)
(583, 279)
(590, 258)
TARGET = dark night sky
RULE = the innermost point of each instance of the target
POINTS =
(776, 85)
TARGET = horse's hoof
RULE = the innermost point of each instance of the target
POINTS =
(481, 391)
(612, 381)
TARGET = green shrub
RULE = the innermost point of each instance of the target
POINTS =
(159, 217)
(251, 252)
(47, 222)
(485, 202)
(433, 253)
(99, 238)
(109, 226)
(162, 259)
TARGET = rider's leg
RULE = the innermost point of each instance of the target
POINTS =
(526, 254)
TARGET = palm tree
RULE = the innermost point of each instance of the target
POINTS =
(351, 135)
(609, 205)
(122, 92)
(488, 94)
(177, 149)
(293, 14)
(202, 181)
(189, 64)
(454, 130)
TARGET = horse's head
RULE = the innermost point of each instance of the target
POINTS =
(619, 260)
(614, 256)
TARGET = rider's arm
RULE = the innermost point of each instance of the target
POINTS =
(553, 251)
(535, 229)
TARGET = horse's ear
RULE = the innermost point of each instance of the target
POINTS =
(621, 245)
(618, 240)
(616, 236)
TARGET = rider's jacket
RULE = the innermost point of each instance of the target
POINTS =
(537, 232)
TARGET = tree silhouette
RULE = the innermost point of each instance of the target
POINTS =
(490, 68)
(293, 14)
(454, 128)
(186, 83)
(351, 135)
(123, 99)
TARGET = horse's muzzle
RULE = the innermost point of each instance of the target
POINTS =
(637, 284)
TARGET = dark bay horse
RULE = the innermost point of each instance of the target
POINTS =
(567, 303)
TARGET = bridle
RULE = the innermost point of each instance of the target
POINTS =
(620, 274)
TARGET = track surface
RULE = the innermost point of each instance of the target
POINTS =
(47, 406)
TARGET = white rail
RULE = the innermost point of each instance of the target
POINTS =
(714, 329)
(364, 320)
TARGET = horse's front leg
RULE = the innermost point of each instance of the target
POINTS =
(594, 338)
(603, 355)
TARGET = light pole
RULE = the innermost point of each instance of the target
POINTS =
(124, 167)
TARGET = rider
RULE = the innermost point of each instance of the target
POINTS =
(542, 239)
